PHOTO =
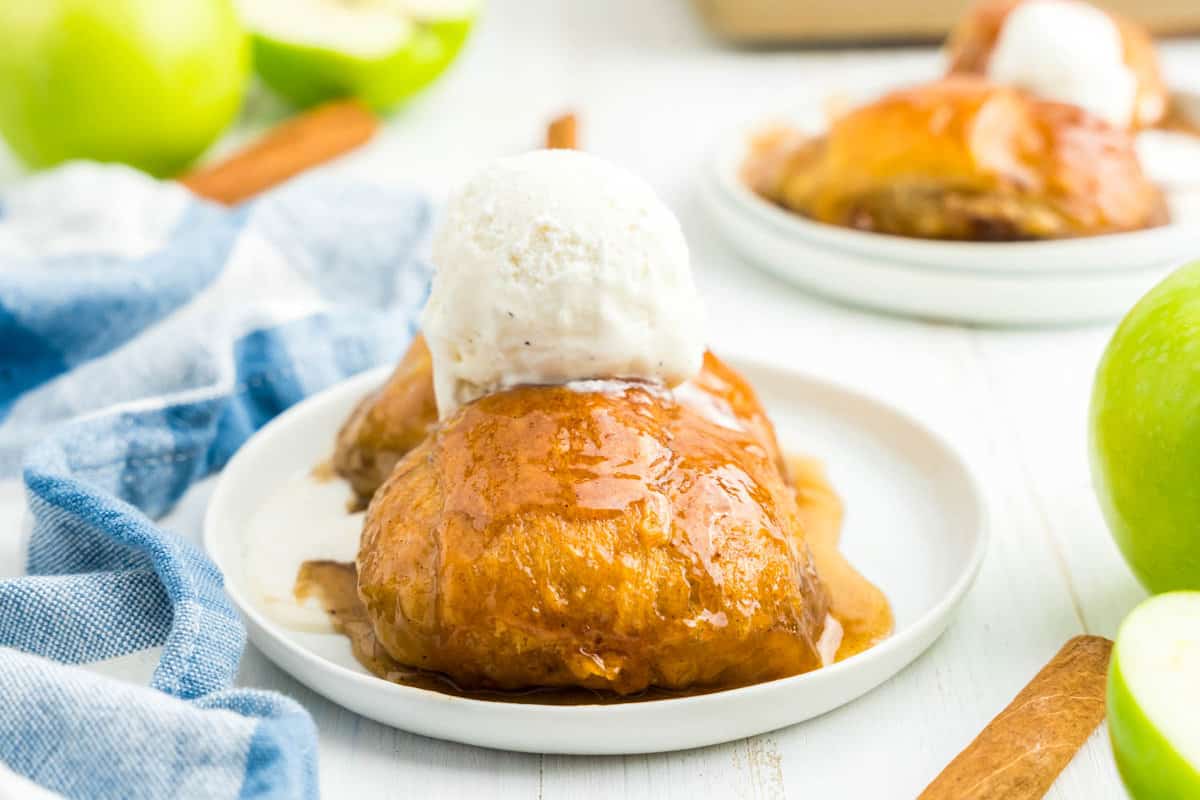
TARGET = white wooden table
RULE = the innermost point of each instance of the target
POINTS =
(654, 91)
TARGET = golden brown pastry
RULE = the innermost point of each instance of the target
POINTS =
(972, 41)
(388, 423)
(721, 394)
(962, 158)
(615, 540)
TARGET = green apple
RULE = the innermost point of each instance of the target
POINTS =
(380, 51)
(1154, 698)
(1145, 434)
(147, 82)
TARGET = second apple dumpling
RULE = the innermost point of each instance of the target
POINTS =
(962, 158)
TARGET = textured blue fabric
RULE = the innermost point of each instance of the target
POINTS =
(134, 360)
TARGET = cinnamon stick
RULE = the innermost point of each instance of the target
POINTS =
(563, 133)
(298, 144)
(1021, 752)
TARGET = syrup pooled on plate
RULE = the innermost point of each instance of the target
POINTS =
(858, 605)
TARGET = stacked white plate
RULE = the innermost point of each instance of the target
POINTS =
(998, 283)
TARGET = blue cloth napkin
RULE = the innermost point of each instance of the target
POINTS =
(144, 335)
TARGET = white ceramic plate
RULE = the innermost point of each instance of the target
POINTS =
(1010, 283)
(914, 526)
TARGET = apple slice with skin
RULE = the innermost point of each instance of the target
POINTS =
(379, 51)
(1154, 698)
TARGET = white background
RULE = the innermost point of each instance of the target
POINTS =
(654, 91)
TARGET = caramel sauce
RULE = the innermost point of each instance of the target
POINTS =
(859, 607)
(324, 472)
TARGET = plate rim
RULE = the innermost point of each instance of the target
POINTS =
(916, 630)
(900, 289)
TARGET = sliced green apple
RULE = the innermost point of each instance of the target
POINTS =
(1154, 698)
(380, 51)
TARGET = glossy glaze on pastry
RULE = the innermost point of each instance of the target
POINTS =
(964, 159)
(388, 423)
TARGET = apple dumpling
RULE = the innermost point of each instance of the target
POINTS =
(962, 158)
(615, 539)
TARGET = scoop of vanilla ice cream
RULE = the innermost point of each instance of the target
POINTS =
(1067, 51)
(556, 266)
